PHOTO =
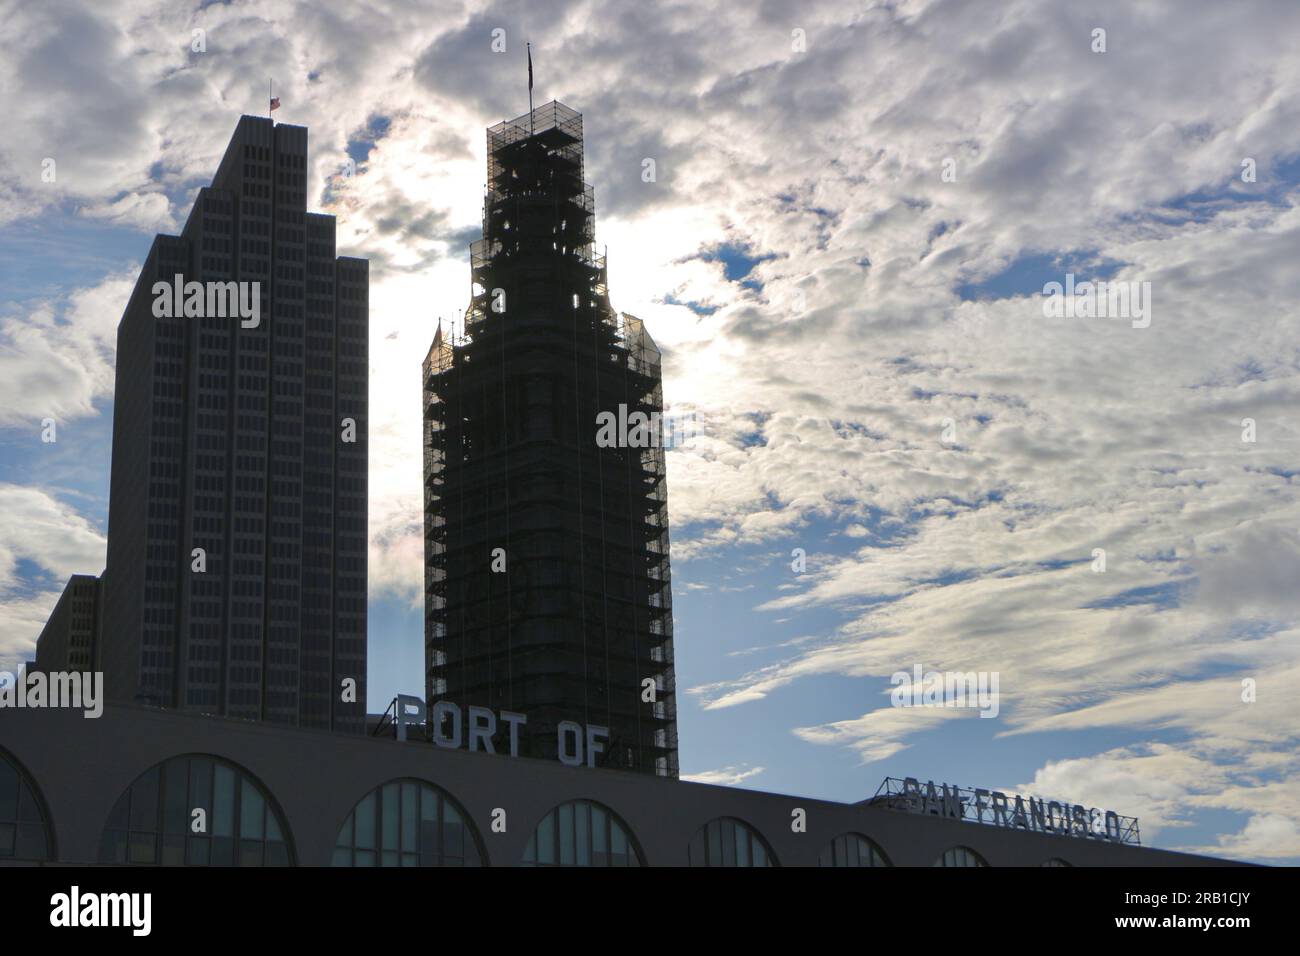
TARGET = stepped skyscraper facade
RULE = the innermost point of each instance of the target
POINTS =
(547, 589)
(235, 581)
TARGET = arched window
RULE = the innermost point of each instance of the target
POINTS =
(196, 810)
(582, 833)
(852, 849)
(407, 823)
(727, 841)
(1056, 861)
(960, 856)
(24, 834)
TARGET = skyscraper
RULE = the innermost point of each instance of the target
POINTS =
(547, 587)
(236, 573)
(67, 642)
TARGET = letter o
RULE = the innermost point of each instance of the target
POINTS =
(569, 729)
(444, 707)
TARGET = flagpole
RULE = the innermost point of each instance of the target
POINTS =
(529, 47)
(268, 98)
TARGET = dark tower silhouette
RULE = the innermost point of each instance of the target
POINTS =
(580, 619)
(231, 439)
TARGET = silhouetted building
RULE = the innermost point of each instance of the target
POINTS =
(122, 790)
(546, 550)
(236, 572)
(67, 643)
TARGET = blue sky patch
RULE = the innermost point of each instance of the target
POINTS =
(1028, 274)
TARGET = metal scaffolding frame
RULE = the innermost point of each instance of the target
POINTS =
(582, 615)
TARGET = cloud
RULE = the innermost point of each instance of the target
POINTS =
(1265, 837)
(724, 776)
(56, 355)
(145, 211)
(1163, 786)
(37, 527)
(1249, 570)
(880, 734)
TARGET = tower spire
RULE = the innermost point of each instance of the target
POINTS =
(529, 48)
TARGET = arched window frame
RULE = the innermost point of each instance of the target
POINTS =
(582, 833)
(853, 849)
(26, 829)
(960, 856)
(386, 827)
(153, 822)
(730, 841)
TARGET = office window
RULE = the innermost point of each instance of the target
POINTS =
(729, 842)
(24, 834)
(960, 856)
(196, 811)
(407, 823)
(1056, 861)
(852, 849)
(582, 833)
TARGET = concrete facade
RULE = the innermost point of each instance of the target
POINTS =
(315, 778)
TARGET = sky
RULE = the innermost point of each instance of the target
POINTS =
(899, 458)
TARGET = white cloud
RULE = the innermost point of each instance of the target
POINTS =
(37, 527)
(145, 211)
(724, 776)
(1265, 837)
(56, 357)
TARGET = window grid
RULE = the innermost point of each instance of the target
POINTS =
(727, 841)
(852, 849)
(406, 823)
(960, 856)
(153, 822)
(581, 833)
(23, 833)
